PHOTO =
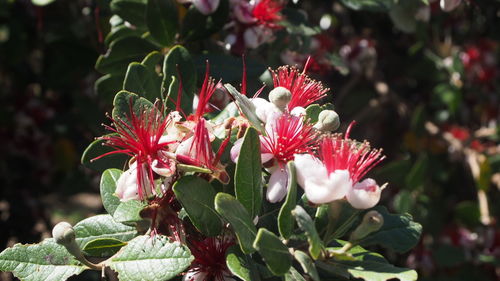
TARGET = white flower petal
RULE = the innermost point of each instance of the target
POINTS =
(308, 166)
(365, 194)
(184, 147)
(264, 109)
(276, 188)
(126, 186)
(235, 150)
(298, 111)
(320, 190)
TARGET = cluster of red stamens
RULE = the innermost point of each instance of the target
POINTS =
(289, 135)
(138, 136)
(339, 153)
(304, 90)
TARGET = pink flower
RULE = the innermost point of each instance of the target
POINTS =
(209, 260)
(142, 138)
(286, 136)
(337, 172)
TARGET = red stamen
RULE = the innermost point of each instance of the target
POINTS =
(210, 257)
(267, 12)
(289, 135)
(206, 92)
(304, 90)
(139, 137)
(346, 154)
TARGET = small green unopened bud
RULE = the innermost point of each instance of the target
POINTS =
(372, 221)
(328, 120)
(63, 233)
(280, 97)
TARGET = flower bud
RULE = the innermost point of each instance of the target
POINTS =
(63, 233)
(280, 97)
(372, 221)
(328, 120)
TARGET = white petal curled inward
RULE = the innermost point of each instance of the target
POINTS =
(264, 109)
(184, 148)
(126, 186)
(165, 169)
(364, 194)
(298, 111)
(276, 188)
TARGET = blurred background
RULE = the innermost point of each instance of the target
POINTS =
(421, 80)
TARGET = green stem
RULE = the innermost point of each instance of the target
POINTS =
(329, 237)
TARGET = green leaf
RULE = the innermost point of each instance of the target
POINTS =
(129, 212)
(142, 81)
(179, 59)
(241, 265)
(368, 266)
(46, 261)
(399, 232)
(307, 264)
(122, 31)
(152, 60)
(121, 53)
(107, 86)
(273, 251)
(95, 149)
(231, 110)
(133, 11)
(107, 187)
(307, 225)
(102, 226)
(125, 101)
(196, 26)
(285, 219)
(403, 15)
(197, 197)
(246, 106)
(103, 247)
(236, 214)
(193, 169)
(162, 20)
(416, 176)
(312, 112)
(293, 275)
(369, 5)
(248, 174)
(151, 258)
(376, 271)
